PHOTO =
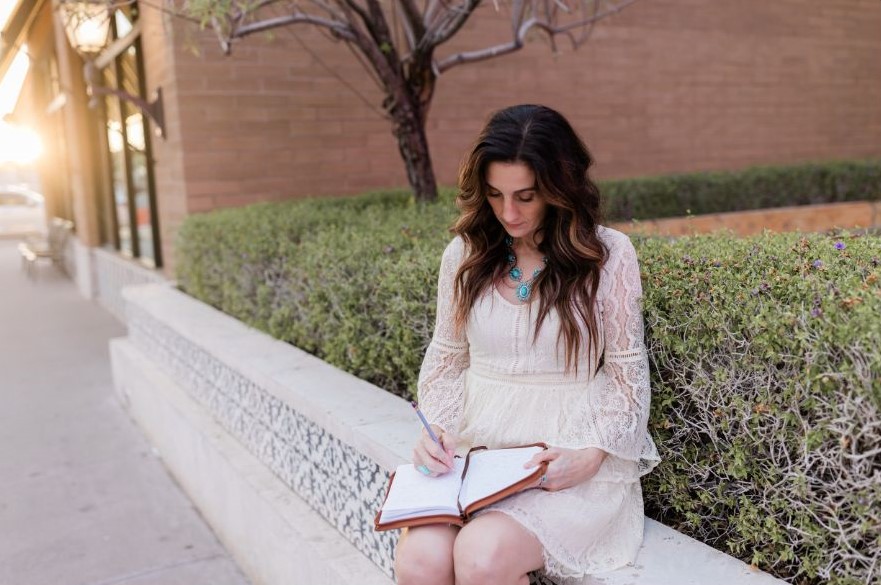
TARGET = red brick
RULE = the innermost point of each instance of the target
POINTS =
(660, 87)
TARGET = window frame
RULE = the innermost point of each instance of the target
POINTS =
(124, 107)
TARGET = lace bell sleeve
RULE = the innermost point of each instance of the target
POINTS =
(441, 382)
(621, 407)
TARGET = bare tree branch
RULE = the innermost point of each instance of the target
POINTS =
(157, 5)
(618, 7)
(410, 36)
(342, 80)
(440, 9)
(413, 20)
(333, 12)
(521, 29)
(339, 29)
(518, 10)
(359, 10)
(490, 52)
(223, 39)
(397, 50)
(449, 22)
(367, 42)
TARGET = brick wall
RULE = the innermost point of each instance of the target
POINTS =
(171, 186)
(663, 86)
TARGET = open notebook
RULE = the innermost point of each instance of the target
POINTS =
(483, 477)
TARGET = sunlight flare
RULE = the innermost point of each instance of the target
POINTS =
(18, 144)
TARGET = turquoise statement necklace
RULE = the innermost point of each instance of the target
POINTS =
(523, 289)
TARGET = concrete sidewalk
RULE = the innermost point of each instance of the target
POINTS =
(83, 499)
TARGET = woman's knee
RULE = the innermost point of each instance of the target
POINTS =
(425, 557)
(421, 565)
(479, 561)
(494, 548)
(477, 570)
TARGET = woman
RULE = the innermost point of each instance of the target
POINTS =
(539, 337)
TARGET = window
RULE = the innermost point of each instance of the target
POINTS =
(129, 154)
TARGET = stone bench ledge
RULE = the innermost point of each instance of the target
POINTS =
(377, 424)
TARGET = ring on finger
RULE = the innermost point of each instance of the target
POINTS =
(543, 479)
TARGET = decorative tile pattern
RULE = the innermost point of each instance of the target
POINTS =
(115, 272)
(341, 484)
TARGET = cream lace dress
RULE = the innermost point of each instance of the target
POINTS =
(494, 387)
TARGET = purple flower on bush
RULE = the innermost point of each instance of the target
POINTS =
(817, 264)
(816, 312)
(839, 245)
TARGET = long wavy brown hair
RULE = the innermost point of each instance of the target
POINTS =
(545, 141)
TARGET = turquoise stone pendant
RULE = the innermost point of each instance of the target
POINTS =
(523, 289)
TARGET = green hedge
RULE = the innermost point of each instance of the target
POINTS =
(345, 279)
(765, 358)
(766, 367)
(753, 188)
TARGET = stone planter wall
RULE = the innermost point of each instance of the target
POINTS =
(288, 457)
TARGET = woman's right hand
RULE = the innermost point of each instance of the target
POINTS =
(438, 460)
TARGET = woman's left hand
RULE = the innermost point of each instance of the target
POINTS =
(567, 467)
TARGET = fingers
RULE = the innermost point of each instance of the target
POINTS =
(440, 452)
(534, 461)
(545, 480)
(433, 466)
(448, 440)
(433, 457)
(550, 476)
(538, 458)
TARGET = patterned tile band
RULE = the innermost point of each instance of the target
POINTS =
(338, 482)
(114, 273)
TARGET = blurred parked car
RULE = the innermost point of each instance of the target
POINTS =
(20, 196)
(21, 211)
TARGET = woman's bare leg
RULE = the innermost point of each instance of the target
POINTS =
(425, 555)
(495, 549)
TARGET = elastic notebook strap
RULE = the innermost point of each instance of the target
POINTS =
(462, 482)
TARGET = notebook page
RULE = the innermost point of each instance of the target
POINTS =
(413, 494)
(493, 470)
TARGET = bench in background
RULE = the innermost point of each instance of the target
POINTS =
(51, 248)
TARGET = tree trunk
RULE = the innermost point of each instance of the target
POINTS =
(408, 102)
(413, 146)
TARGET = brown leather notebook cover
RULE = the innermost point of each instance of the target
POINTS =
(465, 514)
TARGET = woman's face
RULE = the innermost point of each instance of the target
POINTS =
(512, 194)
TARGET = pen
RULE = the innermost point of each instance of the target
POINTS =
(425, 424)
